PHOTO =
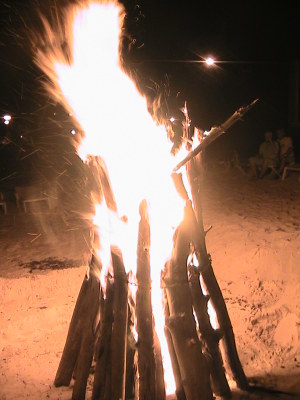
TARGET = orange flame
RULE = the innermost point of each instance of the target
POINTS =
(114, 117)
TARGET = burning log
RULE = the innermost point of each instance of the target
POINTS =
(211, 284)
(216, 132)
(180, 395)
(160, 389)
(130, 388)
(209, 335)
(119, 331)
(79, 347)
(145, 329)
(181, 324)
(103, 347)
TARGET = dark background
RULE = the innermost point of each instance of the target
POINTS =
(255, 42)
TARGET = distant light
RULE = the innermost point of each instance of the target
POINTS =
(70, 114)
(209, 61)
(73, 132)
(7, 119)
(172, 119)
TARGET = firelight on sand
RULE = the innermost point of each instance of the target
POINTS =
(105, 102)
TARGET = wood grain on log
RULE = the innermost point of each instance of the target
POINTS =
(119, 331)
(181, 323)
(144, 317)
(212, 286)
(80, 341)
(103, 346)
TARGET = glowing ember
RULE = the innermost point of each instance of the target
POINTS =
(113, 114)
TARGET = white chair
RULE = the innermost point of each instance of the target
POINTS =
(25, 195)
(295, 167)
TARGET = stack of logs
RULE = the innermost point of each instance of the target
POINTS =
(101, 340)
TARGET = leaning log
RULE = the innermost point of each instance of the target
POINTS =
(209, 335)
(160, 389)
(212, 286)
(130, 388)
(119, 332)
(103, 345)
(144, 317)
(181, 323)
(79, 347)
(216, 132)
(179, 391)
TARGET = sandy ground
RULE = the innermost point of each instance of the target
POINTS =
(255, 247)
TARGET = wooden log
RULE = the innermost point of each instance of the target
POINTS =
(100, 183)
(180, 395)
(181, 323)
(160, 388)
(212, 286)
(119, 331)
(131, 368)
(78, 349)
(216, 132)
(144, 317)
(103, 352)
(209, 335)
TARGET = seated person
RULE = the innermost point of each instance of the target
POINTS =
(267, 157)
(286, 150)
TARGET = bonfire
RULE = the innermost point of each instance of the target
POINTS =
(150, 319)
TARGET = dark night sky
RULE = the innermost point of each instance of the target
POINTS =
(255, 40)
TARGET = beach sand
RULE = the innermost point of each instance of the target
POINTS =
(255, 248)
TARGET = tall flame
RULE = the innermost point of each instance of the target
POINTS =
(117, 126)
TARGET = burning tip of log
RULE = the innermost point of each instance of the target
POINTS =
(179, 186)
(124, 219)
(143, 210)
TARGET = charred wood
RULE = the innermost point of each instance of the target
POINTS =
(180, 395)
(103, 346)
(160, 389)
(145, 355)
(80, 341)
(181, 324)
(209, 335)
(119, 331)
(212, 286)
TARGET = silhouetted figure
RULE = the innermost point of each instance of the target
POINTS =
(267, 157)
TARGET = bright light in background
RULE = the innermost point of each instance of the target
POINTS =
(172, 119)
(209, 61)
(73, 131)
(7, 119)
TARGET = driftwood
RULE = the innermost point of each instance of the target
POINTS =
(216, 132)
(146, 361)
(79, 347)
(180, 395)
(103, 346)
(130, 388)
(119, 331)
(210, 336)
(197, 375)
(181, 324)
(212, 287)
(160, 389)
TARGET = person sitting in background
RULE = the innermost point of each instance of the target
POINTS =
(286, 150)
(267, 157)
